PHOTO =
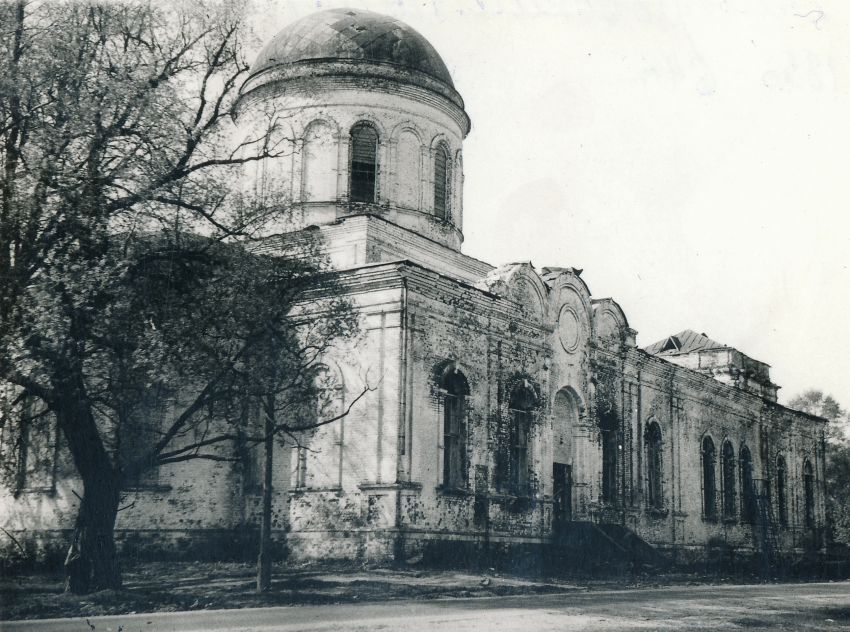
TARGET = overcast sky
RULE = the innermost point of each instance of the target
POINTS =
(693, 157)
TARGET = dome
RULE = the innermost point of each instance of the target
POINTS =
(352, 35)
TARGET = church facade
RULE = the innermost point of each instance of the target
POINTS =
(507, 405)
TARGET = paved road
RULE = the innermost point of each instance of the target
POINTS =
(797, 607)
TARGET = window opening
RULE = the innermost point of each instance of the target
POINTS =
(364, 163)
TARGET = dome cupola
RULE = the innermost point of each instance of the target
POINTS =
(372, 119)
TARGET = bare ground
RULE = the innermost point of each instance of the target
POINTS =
(178, 586)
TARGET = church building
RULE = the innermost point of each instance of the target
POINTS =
(508, 407)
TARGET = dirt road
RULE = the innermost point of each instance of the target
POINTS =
(798, 607)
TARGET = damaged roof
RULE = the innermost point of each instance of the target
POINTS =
(685, 341)
(352, 34)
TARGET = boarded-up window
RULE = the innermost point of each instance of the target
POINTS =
(408, 170)
(442, 171)
(709, 485)
(320, 163)
(364, 163)
(455, 390)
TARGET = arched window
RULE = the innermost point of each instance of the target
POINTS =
(809, 494)
(728, 480)
(654, 469)
(782, 490)
(442, 179)
(364, 163)
(709, 485)
(748, 486)
(610, 453)
(522, 403)
(455, 390)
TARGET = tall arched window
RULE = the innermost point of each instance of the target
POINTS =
(782, 490)
(522, 403)
(809, 494)
(748, 486)
(610, 453)
(728, 480)
(455, 390)
(709, 485)
(442, 179)
(654, 469)
(364, 163)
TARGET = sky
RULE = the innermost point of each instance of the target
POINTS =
(692, 157)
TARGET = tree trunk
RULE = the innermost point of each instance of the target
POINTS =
(264, 561)
(92, 562)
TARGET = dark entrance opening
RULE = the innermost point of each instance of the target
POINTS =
(562, 493)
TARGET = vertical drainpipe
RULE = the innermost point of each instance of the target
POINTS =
(402, 424)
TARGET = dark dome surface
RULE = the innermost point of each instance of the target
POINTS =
(352, 34)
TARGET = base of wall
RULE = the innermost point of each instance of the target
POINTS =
(432, 549)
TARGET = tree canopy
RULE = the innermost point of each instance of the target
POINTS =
(126, 244)
(816, 402)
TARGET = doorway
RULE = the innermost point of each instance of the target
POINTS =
(562, 493)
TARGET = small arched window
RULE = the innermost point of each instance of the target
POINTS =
(455, 390)
(809, 494)
(728, 480)
(709, 485)
(442, 179)
(364, 163)
(748, 486)
(782, 490)
(654, 469)
(522, 403)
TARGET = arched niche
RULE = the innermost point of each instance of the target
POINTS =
(319, 163)
(609, 322)
(408, 172)
(566, 412)
(527, 289)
